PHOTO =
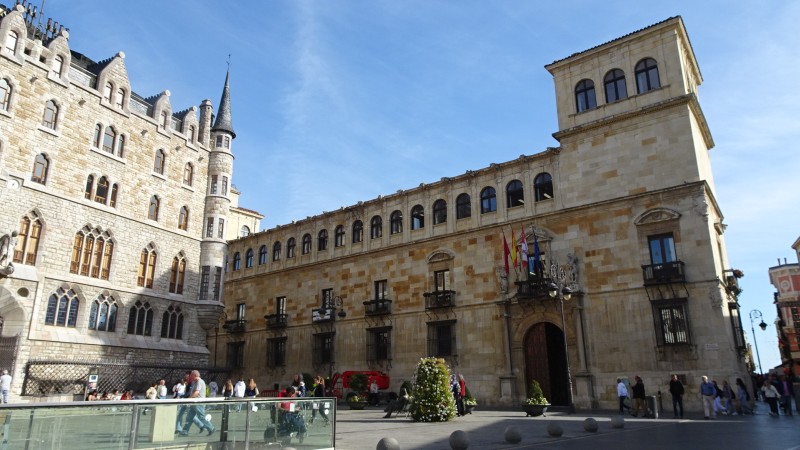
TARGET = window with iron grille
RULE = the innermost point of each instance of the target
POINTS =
(280, 305)
(235, 355)
(379, 344)
(441, 280)
(327, 298)
(323, 349)
(276, 352)
(442, 338)
(672, 325)
(205, 279)
(217, 283)
(381, 288)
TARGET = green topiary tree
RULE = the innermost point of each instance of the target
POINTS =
(536, 395)
(433, 400)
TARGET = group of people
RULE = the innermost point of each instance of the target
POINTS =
(724, 399)
(778, 391)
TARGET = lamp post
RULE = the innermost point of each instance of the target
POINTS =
(564, 295)
(756, 314)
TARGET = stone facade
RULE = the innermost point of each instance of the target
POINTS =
(786, 280)
(104, 135)
(623, 213)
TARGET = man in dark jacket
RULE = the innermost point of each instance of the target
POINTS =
(638, 397)
(676, 389)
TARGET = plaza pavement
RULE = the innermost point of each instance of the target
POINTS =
(362, 430)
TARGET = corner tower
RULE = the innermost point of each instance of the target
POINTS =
(213, 247)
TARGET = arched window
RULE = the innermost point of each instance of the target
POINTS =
(172, 323)
(87, 192)
(164, 120)
(140, 319)
(40, 167)
(121, 146)
(543, 187)
(108, 92)
(488, 200)
(113, 201)
(290, 246)
(514, 194)
(188, 174)
(62, 309)
(306, 244)
(11, 42)
(152, 211)
(439, 212)
(338, 236)
(121, 98)
(101, 193)
(237, 261)
(160, 162)
(376, 227)
(190, 133)
(463, 206)
(262, 255)
(58, 65)
(615, 86)
(646, 72)
(5, 94)
(358, 231)
(103, 315)
(584, 96)
(396, 222)
(276, 250)
(92, 251)
(98, 135)
(248, 258)
(183, 218)
(30, 231)
(177, 274)
(322, 240)
(147, 266)
(50, 117)
(244, 231)
(417, 217)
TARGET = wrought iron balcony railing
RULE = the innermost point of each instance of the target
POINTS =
(439, 299)
(235, 326)
(277, 320)
(378, 307)
(533, 288)
(670, 272)
(321, 315)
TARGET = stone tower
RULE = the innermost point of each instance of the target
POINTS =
(213, 247)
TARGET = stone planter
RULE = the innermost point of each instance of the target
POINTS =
(534, 410)
(357, 405)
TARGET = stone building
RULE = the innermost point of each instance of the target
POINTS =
(622, 212)
(786, 280)
(114, 218)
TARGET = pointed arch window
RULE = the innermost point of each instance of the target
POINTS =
(183, 218)
(439, 212)
(41, 165)
(276, 251)
(177, 274)
(376, 227)
(291, 244)
(11, 42)
(98, 135)
(358, 231)
(488, 200)
(338, 236)
(50, 117)
(30, 230)
(62, 308)
(646, 72)
(113, 200)
(58, 65)
(164, 120)
(585, 98)
(103, 315)
(190, 133)
(109, 136)
(159, 162)
(108, 92)
(152, 210)
(120, 98)
(262, 255)
(92, 252)
(322, 240)
(147, 266)
(237, 261)
(248, 258)
(101, 193)
(172, 323)
(417, 217)
(87, 192)
(5, 94)
(396, 222)
(306, 244)
(140, 319)
(463, 206)
(121, 146)
(615, 86)
(543, 187)
(514, 194)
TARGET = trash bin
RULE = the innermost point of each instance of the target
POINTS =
(652, 406)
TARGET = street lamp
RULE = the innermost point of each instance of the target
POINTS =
(338, 303)
(564, 295)
(756, 314)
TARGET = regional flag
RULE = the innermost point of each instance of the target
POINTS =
(506, 252)
(524, 251)
(513, 249)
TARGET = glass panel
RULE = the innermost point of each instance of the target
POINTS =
(656, 256)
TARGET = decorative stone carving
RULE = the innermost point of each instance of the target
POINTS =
(656, 215)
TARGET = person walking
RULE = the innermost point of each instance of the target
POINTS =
(729, 396)
(238, 393)
(162, 389)
(771, 396)
(319, 405)
(5, 386)
(197, 389)
(786, 390)
(744, 397)
(638, 397)
(676, 389)
(179, 390)
(707, 393)
(622, 393)
(374, 393)
(462, 395)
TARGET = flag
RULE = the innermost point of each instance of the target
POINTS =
(524, 251)
(537, 257)
(506, 252)
(513, 249)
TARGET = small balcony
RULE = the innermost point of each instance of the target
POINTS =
(235, 326)
(533, 288)
(277, 320)
(670, 272)
(378, 307)
(439, 299)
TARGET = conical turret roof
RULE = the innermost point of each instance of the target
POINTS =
(223, 121)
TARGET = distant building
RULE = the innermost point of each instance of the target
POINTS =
(786, 279)
(242, 221)
(115, 207)
(623, 213)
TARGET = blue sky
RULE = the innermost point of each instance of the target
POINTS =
(340, 101)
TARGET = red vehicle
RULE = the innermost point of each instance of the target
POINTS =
(342, 381)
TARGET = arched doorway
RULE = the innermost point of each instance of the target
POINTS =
(546, 362)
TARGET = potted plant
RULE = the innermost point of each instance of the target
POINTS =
(358, 398)
(536, 404)
(357, 401)
(469, 402)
